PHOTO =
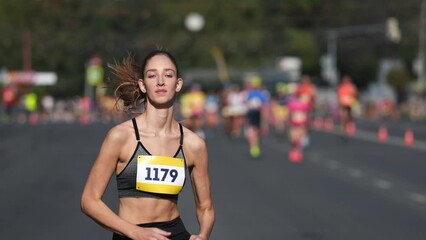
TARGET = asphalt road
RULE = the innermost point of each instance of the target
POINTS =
(351, 190)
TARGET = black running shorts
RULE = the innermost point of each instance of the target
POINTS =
(175, 226)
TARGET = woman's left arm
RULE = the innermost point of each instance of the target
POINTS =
(198, 159)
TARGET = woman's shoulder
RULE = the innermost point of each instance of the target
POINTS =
(194, 147)
(121, 132)
(193, 141)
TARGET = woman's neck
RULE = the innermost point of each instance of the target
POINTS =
(158, 120)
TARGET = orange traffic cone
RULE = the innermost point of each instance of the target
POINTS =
(318, 123)
(84, 119)
(408, 137)
(33, 118)
(383, 134)
(329, 124)
(351, 129)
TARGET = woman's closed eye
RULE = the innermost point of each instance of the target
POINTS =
(169, 74)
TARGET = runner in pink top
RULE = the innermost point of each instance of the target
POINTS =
(299, 110)
(299, 107)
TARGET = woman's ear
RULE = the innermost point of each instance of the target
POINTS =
(141, 85)
(179, 84)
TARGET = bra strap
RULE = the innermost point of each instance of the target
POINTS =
(181, 134)
(135, 126)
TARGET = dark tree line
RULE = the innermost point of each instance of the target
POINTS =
(250, 33)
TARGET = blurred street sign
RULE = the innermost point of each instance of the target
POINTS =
(29, 77)
(95, 72)
(45, 78)
(393, 33)
(95, 75)
(290, 65)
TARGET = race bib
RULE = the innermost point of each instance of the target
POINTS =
(299, 117)
(254, 103)
(347, 100)
(159, 174)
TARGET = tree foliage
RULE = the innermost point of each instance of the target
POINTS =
(251, 33)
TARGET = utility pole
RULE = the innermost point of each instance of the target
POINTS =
(422, 47)
(332, 74)
(26, 50)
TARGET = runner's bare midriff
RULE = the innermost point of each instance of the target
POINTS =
(145, 210)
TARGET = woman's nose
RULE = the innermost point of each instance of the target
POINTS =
(160, 81)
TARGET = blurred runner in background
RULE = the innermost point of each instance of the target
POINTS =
(347, 94)
(192, 109)
(9, 100)
(279, 105)
(235, 110)
(30, 100)
(308, 91)
(299, 107)
(211, 111)
(307, 88)
(257, 103)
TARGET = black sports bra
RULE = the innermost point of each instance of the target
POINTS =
(152, 176)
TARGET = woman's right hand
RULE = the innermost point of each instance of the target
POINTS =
(149, 234)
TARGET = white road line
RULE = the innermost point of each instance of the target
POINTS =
(417, 197)
(377, 182)
(333, 164)
(314, 157)
(356, 173)
(383, 184)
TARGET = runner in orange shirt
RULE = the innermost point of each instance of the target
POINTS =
(347, 98)
(307, 88)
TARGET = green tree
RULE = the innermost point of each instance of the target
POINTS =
(250, 33)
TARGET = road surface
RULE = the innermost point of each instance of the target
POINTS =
(351, 190)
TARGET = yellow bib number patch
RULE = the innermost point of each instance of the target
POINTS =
(159, 174)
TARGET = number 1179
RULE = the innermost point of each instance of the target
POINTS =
(160, 174)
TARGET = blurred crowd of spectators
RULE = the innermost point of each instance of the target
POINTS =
(30, 108)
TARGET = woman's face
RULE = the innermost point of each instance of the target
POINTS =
(160, 81)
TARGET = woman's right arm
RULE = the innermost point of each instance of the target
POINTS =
(97, 182)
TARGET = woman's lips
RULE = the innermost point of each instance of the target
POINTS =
(160, 91)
